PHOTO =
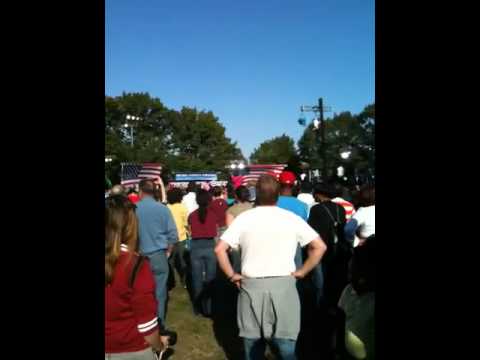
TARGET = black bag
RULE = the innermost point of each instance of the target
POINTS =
(341, 248)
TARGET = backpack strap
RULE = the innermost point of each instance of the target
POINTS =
(335, 221)
(136, 268)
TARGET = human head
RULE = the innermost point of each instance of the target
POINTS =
(306, 187)
(287, 181)
(267, 190)
(367, 195)
(191, 187)
(323, 192)
(147, 188)
(203, 200)
(174, 196)
(242, 194)
(217, 191)
(117, 190)
(120, 228)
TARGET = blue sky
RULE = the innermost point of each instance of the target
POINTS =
(251, 62)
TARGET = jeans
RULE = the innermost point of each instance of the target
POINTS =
(318, 284)
(159, 266)
(177, 260)
(204, 270)
(255, 348)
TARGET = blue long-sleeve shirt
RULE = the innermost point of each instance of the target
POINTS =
(156, 227)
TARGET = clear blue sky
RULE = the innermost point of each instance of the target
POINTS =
(251, 62)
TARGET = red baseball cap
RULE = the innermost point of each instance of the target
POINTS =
(287, 178)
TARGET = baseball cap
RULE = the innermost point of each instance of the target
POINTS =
(287, 178)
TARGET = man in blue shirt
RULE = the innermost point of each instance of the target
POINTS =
(287, 201)
(157, 235)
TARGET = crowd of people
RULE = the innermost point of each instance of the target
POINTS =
(301, 256)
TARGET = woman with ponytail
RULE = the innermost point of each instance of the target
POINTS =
(204, 229)
(131, 325)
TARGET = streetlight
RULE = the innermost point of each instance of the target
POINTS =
(126, 125)
(345, 154)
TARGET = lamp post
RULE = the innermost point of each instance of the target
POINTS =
(127, 124)
(319, 126)
(236, 167)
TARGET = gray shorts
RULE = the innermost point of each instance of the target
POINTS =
(146, 354)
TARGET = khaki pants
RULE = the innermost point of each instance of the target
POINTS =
(146, 354)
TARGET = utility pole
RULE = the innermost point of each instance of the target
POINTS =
(319, 126)
(323, 146)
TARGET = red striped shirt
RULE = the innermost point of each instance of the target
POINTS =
(348, 206)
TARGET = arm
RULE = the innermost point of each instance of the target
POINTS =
(224, 263)
(172, 233)
(316, 249)
(229, 219)
(144, 305)
(157, 342)
(350, 229)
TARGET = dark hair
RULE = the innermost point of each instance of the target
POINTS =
(131, 191)
(203, 200)
(242, 193)
(147, 186)
(217, 191)
(192, 186)
(306, 187)
(174, 196)
(267, 190)
(324, 189)
(367, 195)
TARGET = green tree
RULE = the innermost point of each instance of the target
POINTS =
(278, 150)
(179, 140)
(343, 131)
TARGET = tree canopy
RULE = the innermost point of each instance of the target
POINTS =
(343, 132)
(278, 150)
(185, 140)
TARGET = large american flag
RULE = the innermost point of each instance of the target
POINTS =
(132, 173)
(253, 172)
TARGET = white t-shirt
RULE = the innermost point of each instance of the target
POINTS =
(307, 199)
(365, 217)
(268, 238)
(190, 202)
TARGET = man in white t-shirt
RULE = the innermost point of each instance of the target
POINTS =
(362, 223)
(306, 194)
(268, 303)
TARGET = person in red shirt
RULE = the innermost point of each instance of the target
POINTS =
(219, 207)
(204, 229)
(131, 324)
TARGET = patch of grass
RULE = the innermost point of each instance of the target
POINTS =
(196, 335)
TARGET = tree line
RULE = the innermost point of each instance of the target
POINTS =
(184, 140)
(192, 140)
(344, 132)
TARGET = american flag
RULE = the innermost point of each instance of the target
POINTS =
(133, 173)
(253, 172)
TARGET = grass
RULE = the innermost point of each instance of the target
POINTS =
(201, 338)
